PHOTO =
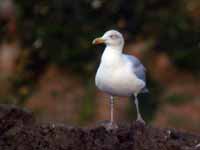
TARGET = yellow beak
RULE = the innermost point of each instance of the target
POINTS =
(98, 41)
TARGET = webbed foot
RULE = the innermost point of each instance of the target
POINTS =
(108, 125)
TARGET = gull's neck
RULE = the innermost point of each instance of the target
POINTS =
(118, 48)
(112, 55)
(113, 50)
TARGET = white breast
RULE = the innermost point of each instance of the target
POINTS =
(116, 78)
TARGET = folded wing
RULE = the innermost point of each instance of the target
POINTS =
(138, 69)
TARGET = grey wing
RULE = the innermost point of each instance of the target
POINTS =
(139, 69)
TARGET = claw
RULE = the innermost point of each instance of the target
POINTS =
(111, 126)
(141, 121)
(108, 125)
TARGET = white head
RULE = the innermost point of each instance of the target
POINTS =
(111, 38)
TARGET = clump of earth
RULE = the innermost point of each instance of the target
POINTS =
(20, 131)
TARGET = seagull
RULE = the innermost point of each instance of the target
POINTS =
(119, 74)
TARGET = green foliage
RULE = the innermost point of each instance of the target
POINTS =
(176, 98)
(180, 37)
(87, 112)
(61, 31)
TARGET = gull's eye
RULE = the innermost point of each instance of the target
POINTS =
(113, 36)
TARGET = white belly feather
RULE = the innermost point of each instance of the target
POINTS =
(107, 79)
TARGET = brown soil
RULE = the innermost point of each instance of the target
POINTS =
(19, 131)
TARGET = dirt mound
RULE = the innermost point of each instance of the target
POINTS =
(19, 131)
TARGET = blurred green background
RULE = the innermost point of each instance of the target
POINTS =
(48, 63)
